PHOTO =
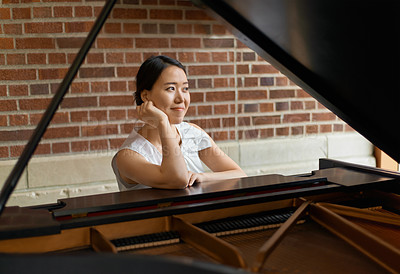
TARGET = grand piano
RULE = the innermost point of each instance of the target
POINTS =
(340, 218)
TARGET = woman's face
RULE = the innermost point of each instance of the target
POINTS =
(170, 93)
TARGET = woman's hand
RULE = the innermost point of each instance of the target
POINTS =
(195, 178)
(150, 114)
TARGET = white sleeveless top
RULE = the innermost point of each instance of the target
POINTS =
(193, 140)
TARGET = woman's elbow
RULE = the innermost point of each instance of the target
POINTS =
(242, 174)
(238, 173)
(179, 182)
(173, 182)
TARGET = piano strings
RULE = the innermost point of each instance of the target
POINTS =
(223, 227)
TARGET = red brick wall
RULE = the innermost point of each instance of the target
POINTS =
(235, 94)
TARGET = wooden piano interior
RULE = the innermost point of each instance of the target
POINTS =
(323, 228)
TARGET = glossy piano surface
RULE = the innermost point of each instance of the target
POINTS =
(143, 203)
(148, 203)
(272, 186)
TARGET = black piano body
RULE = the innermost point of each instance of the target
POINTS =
(263, 223)
(342, 217)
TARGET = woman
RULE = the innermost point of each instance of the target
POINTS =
(166, 152)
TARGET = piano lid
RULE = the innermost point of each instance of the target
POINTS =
(344, 53)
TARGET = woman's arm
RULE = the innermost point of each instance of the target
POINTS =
(172, 173)
(222, 165)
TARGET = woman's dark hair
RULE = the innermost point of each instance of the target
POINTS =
(149, 72)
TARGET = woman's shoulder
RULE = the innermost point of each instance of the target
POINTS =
(190, 128)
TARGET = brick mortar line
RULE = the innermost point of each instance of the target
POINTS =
(184, 20)
(265, 126)
(288, 135)
(121, 122)
(169, 49)
(43, 51)
(161, 7)
(55, 4)
(117, 65)
(62, 20)
(75, 140)
(277, 100)
(100, 4)
(72, 124)
(86, 124)
(203, 116)
(197, 117)
(111, 35)
(19, 112)
(129, 93)
(284, 112)
(94, 123)
(127, 51)
(68, 140)
(68, 95)
(236, 117)
(118, 35)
